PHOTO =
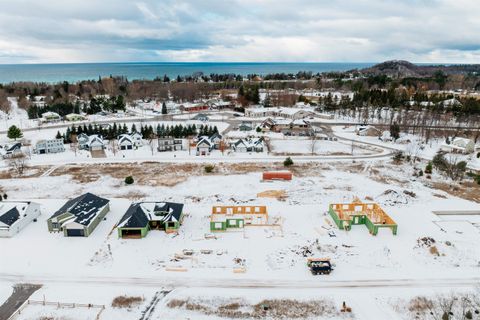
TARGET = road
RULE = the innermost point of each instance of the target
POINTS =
(188, 282)
(20, 294)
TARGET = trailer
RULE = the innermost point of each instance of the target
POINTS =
(319, 265)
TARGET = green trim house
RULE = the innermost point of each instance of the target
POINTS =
(80, 216)
(141, 217)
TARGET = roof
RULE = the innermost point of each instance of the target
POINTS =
(139, 214)
(10, 212)
(205, 140)
(125, 137)
(85, 208)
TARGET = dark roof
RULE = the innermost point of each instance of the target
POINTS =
(138, 216)
(85, 208)
(134, 217)
(10, 216)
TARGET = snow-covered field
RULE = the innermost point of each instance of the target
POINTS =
(320, 147)
(271, 255)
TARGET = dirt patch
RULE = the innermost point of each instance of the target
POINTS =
(467, 190)
(30, 172)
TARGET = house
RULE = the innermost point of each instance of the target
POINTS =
(193, 107)
(201, 117)
(91, 143)
(169, 144)
(249, 145)
(245, 126)
(370, 214)
(74, 117)
(130, 141)
(204, 146)
(16, 215)
(298, 127)
(216, 139)
(451, 103)
(141, 217)
(224, 218)
(80, 216)
(50, 117)
(9, 150)
(367, 131)
(287, 113)
(49, 146)
(459, 145)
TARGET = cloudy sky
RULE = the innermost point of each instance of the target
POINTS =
(54, 31)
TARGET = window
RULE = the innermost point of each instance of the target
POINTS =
(248, 209)
(218, 209)
(218, 225)
(257, 209)
(232, 222)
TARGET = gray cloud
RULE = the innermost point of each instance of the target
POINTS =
(239, 30)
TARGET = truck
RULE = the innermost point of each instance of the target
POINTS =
(319, 266)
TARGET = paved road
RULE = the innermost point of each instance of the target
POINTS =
(187, 282)
(20, 294)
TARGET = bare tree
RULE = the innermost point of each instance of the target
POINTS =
(17, 162)
(313, 143)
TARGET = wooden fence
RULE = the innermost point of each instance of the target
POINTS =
(58, 305)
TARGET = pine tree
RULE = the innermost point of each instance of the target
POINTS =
(134, 128)
(164, 108)
(59, 135)
(14, 133)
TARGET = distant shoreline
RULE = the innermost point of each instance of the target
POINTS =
(73, 72)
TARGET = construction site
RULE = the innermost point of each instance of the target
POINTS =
(371, 215)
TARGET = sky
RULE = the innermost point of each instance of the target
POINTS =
(58, 31)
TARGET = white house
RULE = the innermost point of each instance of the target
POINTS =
(16, 215)
(249, 145)
(459, 145)
(94, 142)
(287, 113)
(50, 117)
(204, 146)
(130, 141)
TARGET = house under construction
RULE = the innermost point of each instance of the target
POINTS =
(357, 212)
(225, 218)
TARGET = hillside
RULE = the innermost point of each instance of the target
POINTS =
(402, 68)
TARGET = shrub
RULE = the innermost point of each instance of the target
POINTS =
(420, 173)
(209, 168)
(5, 196)
(429, 168)
(478, 155)
(398, 157)
(126, 302)
(288, 162)
(129, 180)
(260, 130)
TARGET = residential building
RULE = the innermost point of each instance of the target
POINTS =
(130, 141)
(367, 131)
(141, 217)
(49, 146)
(10, 149)
(16, 215)
(74, 117)
(287, 113)
(169, 144)
(50, 117)
(249, 145)
(225, 218)
(204, 146)
(92, 143)
(201, 117)
(80, 216)
(246, 126)
(459, 145)
(298, 127)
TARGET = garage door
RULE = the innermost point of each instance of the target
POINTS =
(75, 233)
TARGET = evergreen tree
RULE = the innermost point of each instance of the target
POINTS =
(59, 135)
(164, 108)
(14, 133)
(134, 128)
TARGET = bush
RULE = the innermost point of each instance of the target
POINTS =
(288, 162)
(126, 302)
(129, 180)
(478, 155)
(429, 168)
(209, 168)
(420, 173)
(398, 157)
(260, 130)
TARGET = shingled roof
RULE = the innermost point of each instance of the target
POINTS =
(85, 208)
(140, 214)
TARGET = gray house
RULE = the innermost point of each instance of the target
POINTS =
(49, 146)
(80, 216)
(169, 144)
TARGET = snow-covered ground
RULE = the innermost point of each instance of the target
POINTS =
(320, 147)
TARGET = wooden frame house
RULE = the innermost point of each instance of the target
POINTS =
(370, 214)
(225, 218)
